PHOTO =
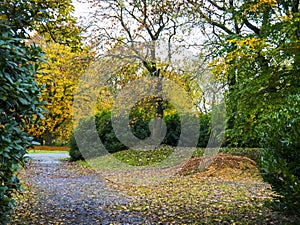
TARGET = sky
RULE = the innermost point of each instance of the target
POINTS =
(80, 8)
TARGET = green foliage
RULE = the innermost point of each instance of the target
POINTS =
(280, 162)
(49, 18)
(204, 132)
(106, 132)
(19, 100)
(259, 62)
(85, 138)
(85, 133)
(139, 127)
(173, 123)
(19, 92)
(173, 129)
(74, 152)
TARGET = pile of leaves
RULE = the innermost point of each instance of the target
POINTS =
(222, 166)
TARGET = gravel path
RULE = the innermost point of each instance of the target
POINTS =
(70, 196)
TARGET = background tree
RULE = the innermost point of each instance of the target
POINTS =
(59, 76)
(239, 36)
(138, 26)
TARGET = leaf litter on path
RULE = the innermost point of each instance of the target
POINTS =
(62, 193)
(229, 191)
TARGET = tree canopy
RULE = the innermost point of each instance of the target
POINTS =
(255, 51)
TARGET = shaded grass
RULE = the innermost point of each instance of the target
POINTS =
(144, 158)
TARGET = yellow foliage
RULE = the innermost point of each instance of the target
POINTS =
(59, 76)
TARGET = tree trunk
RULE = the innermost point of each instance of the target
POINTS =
(159, 110)
(48, 137)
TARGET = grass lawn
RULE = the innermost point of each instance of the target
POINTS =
(48, 149)
(194, 200)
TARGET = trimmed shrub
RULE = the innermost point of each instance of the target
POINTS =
(85, 138)
(106, 132)
(204, 130)
(173, 124)
(74, 152)
(139, 127)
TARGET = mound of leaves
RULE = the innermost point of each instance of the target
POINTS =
(222, 166)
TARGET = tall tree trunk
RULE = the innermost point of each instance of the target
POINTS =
(159, 109)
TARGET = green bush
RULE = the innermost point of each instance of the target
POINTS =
(139, 127)
(280, 161)
(74, 152)
(19, 101)
(106, 132)
(173, 124)
(85, 138)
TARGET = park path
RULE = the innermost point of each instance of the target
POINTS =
(70, 196)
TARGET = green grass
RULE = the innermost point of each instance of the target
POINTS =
(144, 158)
(128, 159)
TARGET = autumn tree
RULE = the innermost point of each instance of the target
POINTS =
(256, 46)
(59, 77)
(142, 27)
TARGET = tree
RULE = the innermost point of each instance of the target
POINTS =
(139, 26)
(259, 61)
(52, 19)
(59, 76)
(241, 27)
(19, 91)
